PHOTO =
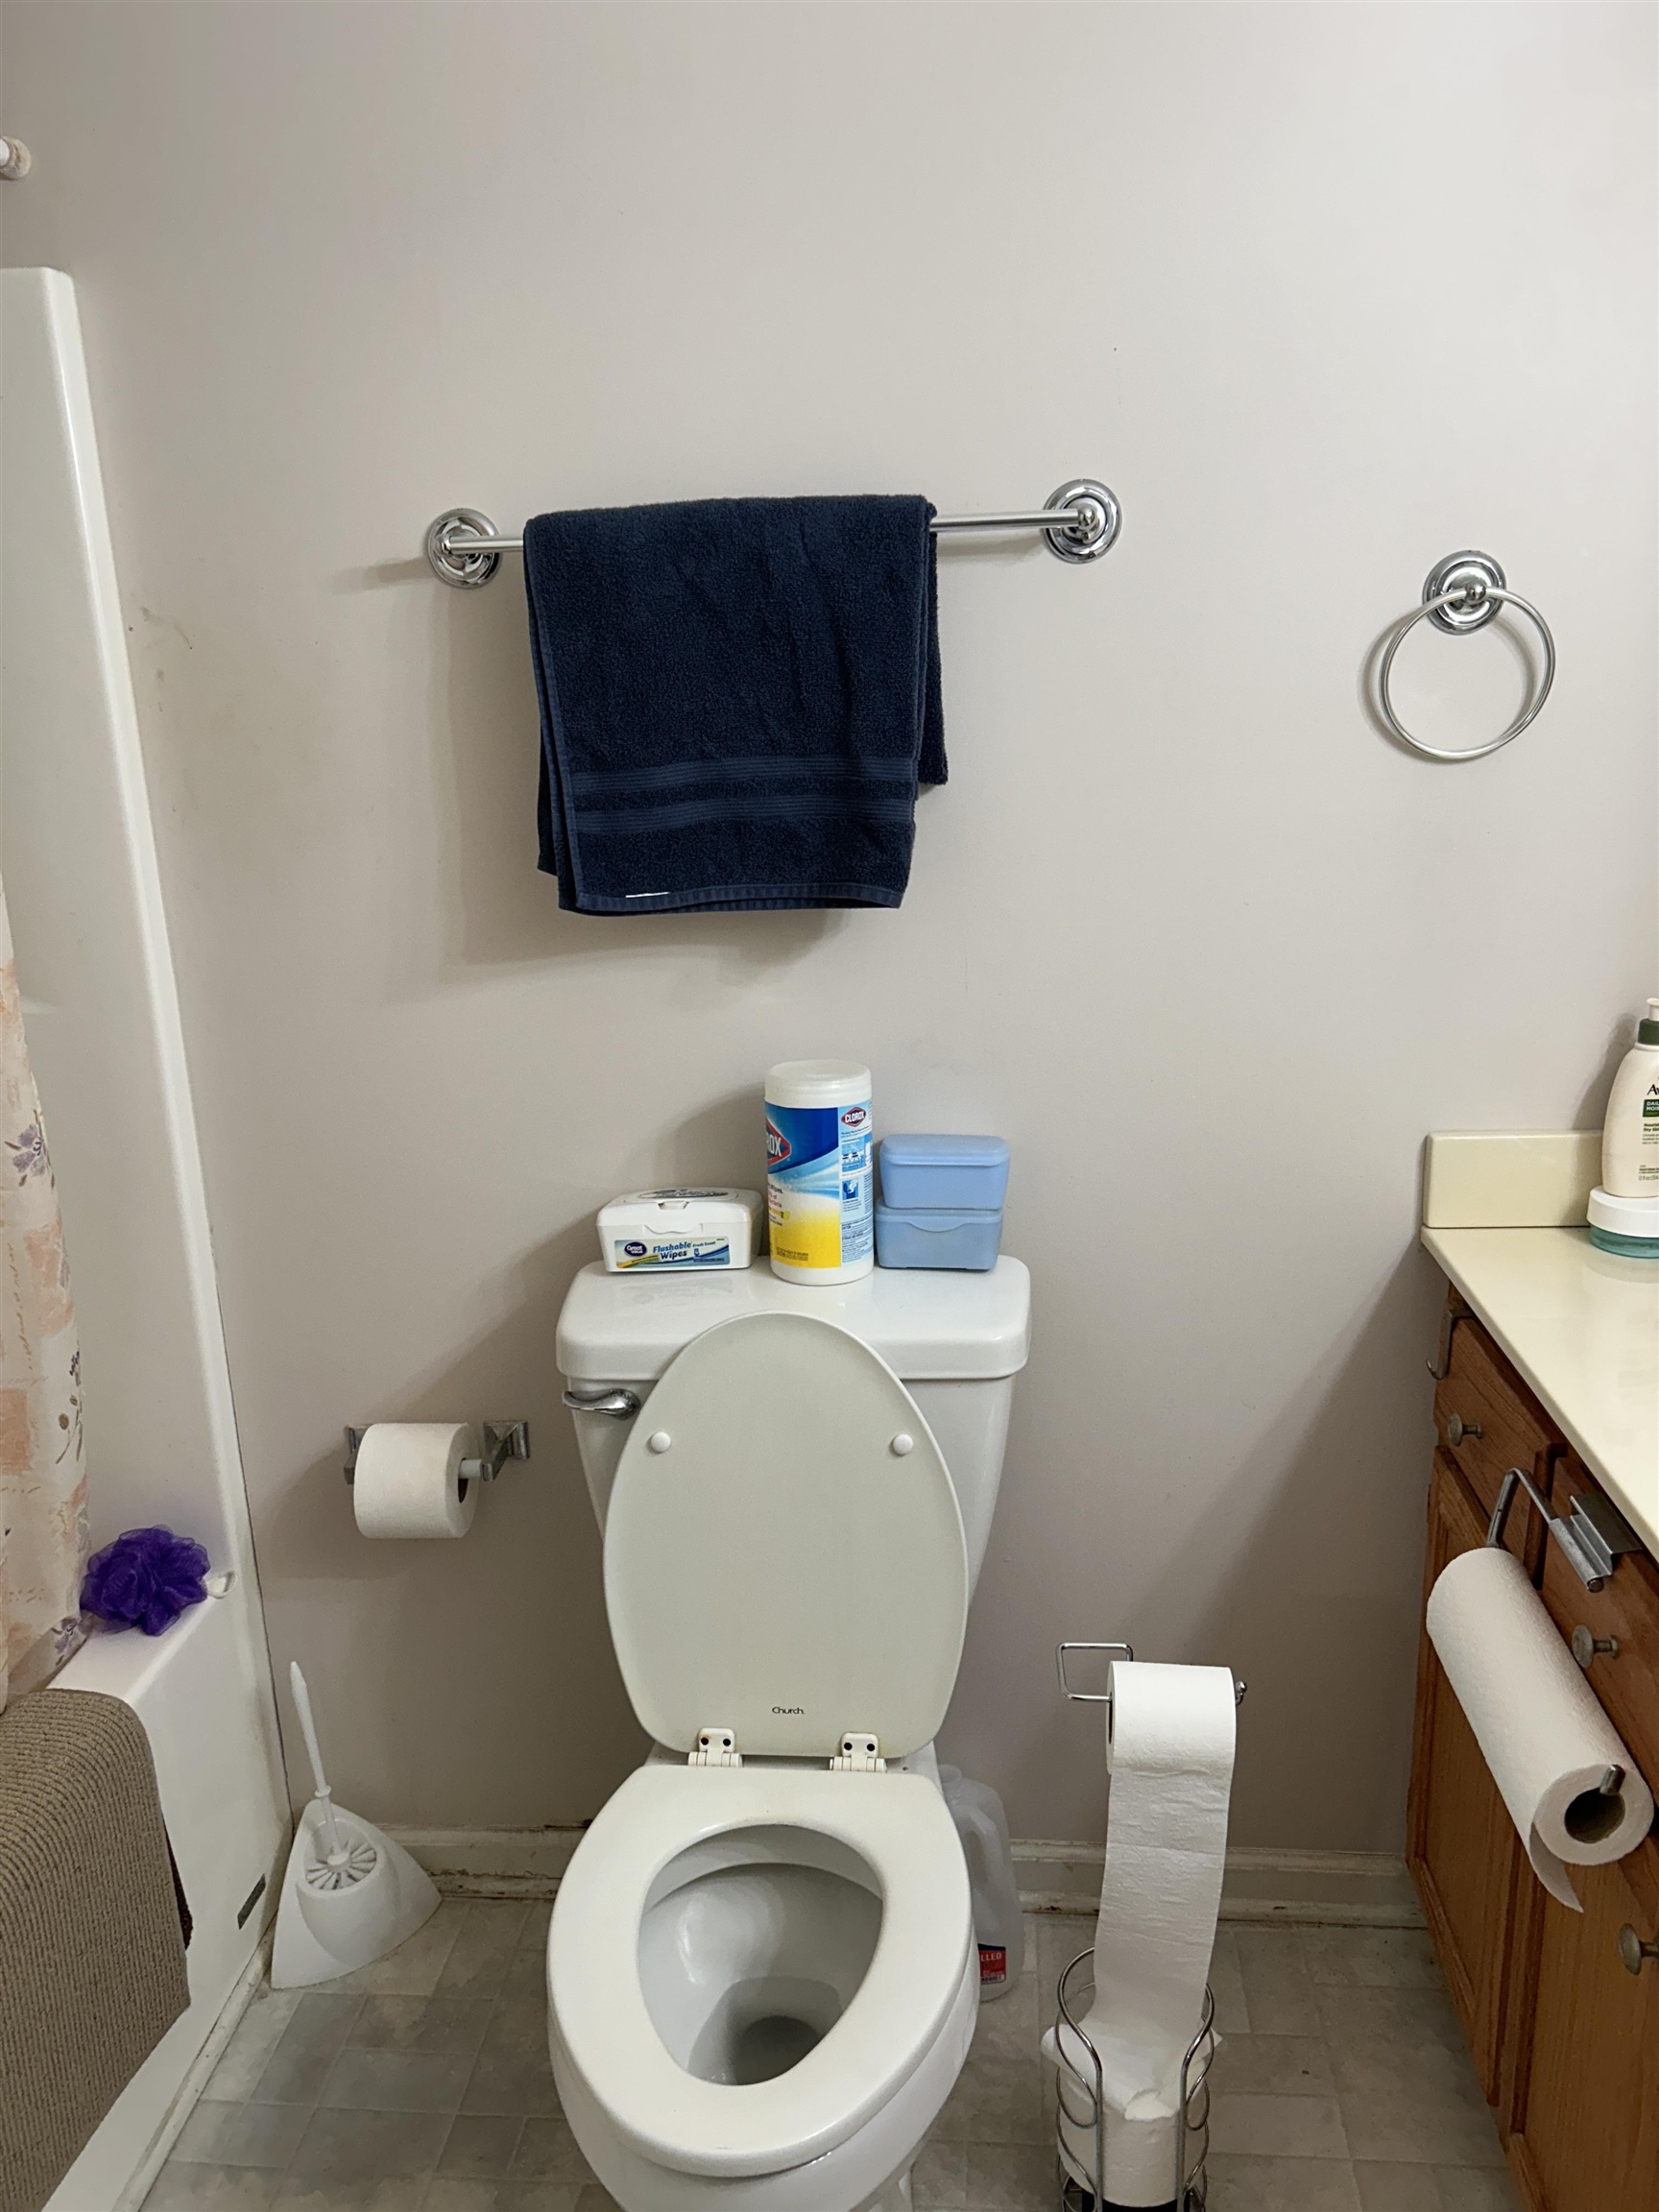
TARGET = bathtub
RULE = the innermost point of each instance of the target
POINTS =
(192, 1687)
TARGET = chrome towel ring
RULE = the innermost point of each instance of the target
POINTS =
(1463, 592)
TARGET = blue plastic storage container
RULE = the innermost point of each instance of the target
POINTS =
(938, 1236)
(956, 1172)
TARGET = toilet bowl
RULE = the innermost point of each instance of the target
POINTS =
(763, 1985)
(762, 1979)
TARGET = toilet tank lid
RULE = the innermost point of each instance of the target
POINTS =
(931, 1326)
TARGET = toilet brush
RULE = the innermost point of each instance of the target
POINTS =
(349, 1894)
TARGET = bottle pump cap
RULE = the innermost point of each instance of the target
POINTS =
(1647, 1031)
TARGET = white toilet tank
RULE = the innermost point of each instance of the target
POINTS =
(956, 1340)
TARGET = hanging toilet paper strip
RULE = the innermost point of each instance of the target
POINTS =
(1548, 1745)
(1169, 1750)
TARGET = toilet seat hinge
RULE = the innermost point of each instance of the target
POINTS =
(716, 1747)
(859, 1754)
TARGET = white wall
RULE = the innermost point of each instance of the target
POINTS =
(1324, 293)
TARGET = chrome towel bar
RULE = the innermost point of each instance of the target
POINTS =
(1080, 522)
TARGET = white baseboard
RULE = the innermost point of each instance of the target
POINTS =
(1309, 1889)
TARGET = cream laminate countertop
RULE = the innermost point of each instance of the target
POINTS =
(1582, 1328)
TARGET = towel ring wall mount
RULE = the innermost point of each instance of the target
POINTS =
(1079, 522)
(1463, 592)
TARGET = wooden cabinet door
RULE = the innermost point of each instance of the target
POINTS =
(1586, 2133)
(1464, 1854)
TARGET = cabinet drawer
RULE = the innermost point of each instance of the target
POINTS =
(1625, 1609)
(1479, 1393)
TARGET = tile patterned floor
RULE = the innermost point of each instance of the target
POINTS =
(421, 2085)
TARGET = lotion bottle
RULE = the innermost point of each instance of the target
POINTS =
(1630, 1135)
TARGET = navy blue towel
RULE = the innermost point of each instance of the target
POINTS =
(739, 698)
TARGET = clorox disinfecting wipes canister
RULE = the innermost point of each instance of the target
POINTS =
(819, 1179)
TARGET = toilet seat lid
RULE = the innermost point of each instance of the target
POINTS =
(779, 1559)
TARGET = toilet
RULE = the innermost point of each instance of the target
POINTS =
(763, 1979)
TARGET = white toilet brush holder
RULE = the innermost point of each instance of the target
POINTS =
(349, 1894)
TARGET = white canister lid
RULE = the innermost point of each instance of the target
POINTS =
(817, 1083)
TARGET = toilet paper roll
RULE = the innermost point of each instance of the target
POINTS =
(408, 1478)
(1546, 1740)
(1169, 1748)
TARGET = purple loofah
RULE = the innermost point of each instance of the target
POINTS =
(145, 1579)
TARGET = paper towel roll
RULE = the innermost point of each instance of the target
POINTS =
(408, 1478)
(1169, 1748)
(1544, 1737)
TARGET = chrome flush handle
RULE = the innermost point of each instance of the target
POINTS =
(615, 1404)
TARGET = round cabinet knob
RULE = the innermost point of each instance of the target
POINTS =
(660, 1442)
(902, 1444)
(1633, 1953)
(1457, 1428)
(1586, 1647)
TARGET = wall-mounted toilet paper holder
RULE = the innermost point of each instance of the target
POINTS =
(503, 1440)
(1119, 1652)
(1593, 1535)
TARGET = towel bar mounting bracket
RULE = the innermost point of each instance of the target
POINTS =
(450, 560)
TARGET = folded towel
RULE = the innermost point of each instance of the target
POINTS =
(92, 1968)
(739, 698)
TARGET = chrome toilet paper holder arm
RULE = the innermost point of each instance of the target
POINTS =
(503, 1440)
(1593, 1535)
(1119, 1652)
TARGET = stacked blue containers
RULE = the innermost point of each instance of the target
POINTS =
(941, 1203)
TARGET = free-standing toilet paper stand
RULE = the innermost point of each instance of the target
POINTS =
(1080, 2096)
(1082, 2103)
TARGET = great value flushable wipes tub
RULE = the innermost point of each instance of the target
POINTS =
(681, 1229)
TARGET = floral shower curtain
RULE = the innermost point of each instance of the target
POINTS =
(43, 1474)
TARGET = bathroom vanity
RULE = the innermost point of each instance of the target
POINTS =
(1546, 1362)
